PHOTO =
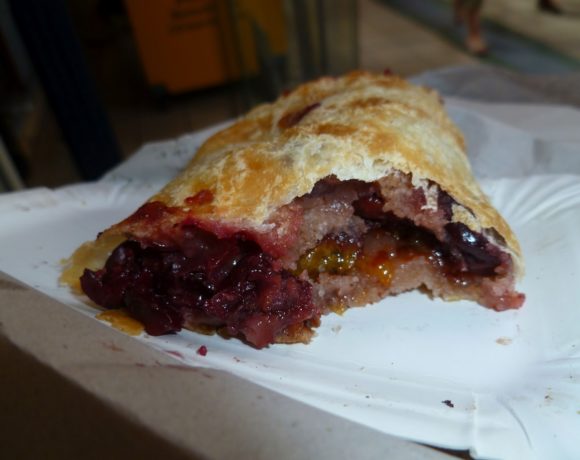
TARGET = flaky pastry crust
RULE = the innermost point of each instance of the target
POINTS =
(359, 126)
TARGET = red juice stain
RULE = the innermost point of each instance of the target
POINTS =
(293, 118)
(202, 197)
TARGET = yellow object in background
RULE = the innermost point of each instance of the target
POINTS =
(191, 44)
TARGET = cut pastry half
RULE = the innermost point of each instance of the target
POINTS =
(338, 194)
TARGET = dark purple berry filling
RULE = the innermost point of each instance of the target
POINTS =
(223, 283)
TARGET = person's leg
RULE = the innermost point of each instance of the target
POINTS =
(475, 42)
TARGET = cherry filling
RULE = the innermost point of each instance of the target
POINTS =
(223, 283)
(391, 241)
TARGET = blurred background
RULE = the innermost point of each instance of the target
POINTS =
(85, 83)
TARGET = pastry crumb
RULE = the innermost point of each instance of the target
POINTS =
(504, 341)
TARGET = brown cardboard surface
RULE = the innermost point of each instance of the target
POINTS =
(71, 387)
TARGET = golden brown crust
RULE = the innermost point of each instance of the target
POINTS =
(360, 126)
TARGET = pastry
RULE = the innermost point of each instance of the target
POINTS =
(338, 194)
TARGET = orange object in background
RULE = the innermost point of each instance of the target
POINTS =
(191, 44)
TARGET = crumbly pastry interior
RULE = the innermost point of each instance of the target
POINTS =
(263, 257)
(360, 242)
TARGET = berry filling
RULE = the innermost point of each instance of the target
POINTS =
(346, 243)
(228, 284)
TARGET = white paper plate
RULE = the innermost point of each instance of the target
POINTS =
(511, 380)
